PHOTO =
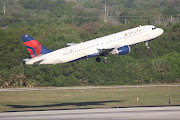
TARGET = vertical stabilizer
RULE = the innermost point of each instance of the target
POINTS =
(34, 47)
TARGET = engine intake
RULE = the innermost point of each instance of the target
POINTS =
(122, 50)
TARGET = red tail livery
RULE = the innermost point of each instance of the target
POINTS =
(34, 47)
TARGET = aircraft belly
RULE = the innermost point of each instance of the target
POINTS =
(72, 57)
(80, 55)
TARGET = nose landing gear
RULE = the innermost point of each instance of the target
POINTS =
(146, 43)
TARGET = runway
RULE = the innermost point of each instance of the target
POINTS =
(134, 113)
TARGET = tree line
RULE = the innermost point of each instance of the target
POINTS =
(54, 23)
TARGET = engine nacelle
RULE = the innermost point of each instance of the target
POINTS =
(122, 50)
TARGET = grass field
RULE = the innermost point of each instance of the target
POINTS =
(89, 98)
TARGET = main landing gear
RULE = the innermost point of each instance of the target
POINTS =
(146, 43)
(98, 59)
(105, 60)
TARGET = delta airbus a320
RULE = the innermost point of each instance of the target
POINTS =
(118, 43)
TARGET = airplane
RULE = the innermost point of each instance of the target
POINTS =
(117, 43)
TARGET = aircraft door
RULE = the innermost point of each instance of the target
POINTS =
(146, 32)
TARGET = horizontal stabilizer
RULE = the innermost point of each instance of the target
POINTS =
(37, 62)
(27, 59)
(70, 44)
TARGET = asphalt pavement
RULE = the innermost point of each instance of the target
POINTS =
(134, 113)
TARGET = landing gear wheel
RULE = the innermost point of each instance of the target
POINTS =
(105, 60)
(98, 59)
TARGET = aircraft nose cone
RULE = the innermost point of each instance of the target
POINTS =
(161, 31)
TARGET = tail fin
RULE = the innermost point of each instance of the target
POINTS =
(34, 47)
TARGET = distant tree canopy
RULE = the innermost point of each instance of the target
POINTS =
(41, 4)
(56, 22)
(62, 10)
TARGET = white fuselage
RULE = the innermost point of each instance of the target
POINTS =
(120, 39)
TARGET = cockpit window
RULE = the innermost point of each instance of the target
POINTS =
(153, 28)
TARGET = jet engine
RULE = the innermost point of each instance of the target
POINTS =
(122, 50)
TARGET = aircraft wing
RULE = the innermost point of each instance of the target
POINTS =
(104, 52)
